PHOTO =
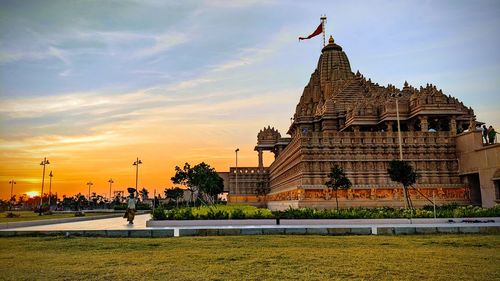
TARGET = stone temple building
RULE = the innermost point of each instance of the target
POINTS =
(345, 119)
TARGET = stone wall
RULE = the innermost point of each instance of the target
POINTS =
(474, 157)
(365, 157)
(244, 191)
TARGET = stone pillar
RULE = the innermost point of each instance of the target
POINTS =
(453, 125)
(424, 124)
(261, 161)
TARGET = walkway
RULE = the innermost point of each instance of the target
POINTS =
(117, 223)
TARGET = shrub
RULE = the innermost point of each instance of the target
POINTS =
(216, 214)
(159, 213)
(11, 215)
(250, 212)
(237, 214)
(79, 214)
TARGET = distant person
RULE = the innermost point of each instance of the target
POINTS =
(485, 134)
(157, 202)
(130, 212)
(491, 134)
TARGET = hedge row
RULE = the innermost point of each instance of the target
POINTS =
(221, 212)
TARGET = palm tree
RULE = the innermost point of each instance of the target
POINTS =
(338, 180)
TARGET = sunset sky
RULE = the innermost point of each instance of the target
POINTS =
(91, 85)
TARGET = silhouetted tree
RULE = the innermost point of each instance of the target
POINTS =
(174, 194)
(199, 179)
(144, 193)
(262, 189)
(402, 172)
(337, 180)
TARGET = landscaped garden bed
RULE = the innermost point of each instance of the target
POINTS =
(244, 212)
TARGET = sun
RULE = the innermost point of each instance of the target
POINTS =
(32, 194)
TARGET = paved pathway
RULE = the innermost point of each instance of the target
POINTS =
(118, 223)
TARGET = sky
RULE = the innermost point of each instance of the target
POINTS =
(92, 85)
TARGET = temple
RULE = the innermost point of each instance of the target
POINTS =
(345, 119)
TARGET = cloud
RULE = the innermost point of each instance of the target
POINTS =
(161, 44)
(77, 42)
(188, 84)
(87, 103)
(238, 3)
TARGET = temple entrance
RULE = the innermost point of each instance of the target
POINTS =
(472, 181)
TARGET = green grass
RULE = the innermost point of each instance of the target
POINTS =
(32, 216)
(429, 257)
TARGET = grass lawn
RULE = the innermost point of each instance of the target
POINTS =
(32, 216)
(417, 257)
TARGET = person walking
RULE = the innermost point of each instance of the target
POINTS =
(491, 134)
(485, 134)
(130, 212)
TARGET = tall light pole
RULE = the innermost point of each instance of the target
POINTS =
(136, 164)
(11, 182)
(397, 96)
(236, 151)
(89, 184)
(44, 162)
(110, 183)
(50, 186)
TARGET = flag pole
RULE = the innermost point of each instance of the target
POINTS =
(323, 21)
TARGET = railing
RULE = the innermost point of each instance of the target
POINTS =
(249, 170)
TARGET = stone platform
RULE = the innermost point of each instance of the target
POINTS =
(117, 227)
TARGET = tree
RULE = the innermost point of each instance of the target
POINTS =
(174, 194)
(338, 180)
(144, 193)
(200, 179)
(262, 189)
(402, 172)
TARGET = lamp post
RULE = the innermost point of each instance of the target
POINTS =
(110, 183)
(397, 96)
(50, 186)
(89, 184)
(11, 182)
(44, 162)
(236, 151)
(136, 164)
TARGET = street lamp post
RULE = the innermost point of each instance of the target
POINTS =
(397, 96)
(110, 183)
(89, 184)
(12, 182)
(44, 162)
(50, 187)
(236, 151)
(136, 164)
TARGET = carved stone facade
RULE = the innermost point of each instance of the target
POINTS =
(344, 119)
